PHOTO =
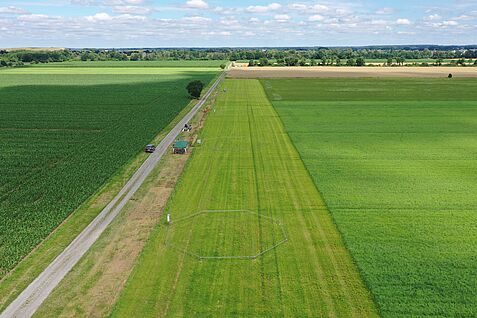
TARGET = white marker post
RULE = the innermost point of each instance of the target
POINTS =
(168, 219)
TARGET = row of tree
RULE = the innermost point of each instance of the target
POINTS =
(291, 57)
(399, 61)
(295, 61)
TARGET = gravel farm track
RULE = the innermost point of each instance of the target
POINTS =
(347, 72)
(26, 304)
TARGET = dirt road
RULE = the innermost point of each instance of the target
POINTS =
(33, 296)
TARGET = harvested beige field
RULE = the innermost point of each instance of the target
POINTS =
(330, 71)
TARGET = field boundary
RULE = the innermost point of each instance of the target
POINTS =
(357, 268)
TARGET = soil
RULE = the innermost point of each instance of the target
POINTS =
(333, 72)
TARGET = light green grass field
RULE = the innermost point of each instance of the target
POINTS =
(395, 160)
(128, 64)
(246, 162)
(160, 71)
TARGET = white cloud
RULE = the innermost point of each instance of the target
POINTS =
(379, 22)
(343, 12)
(463, 17)
(104, 17)
(402, 21)
(254, 20)
(135, 2)
(122, 2)
(264, 9)
(108, 3)
(196, 4)
(84, 2)
(304, 8)
(32, 17)
(298, 6)
(131, 10)
(99, 17)
(433, 17)
(12, 10)
(316, 17)
(282, 17)
(228, 11)
(197, 19)
(450, 23)
(319, 8)
(386, 11)
(222, 33)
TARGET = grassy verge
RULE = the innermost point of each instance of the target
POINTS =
(246, 162)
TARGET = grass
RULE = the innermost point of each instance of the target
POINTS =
(108, 71)
(246, 162)
(67, 137)
(393, 159)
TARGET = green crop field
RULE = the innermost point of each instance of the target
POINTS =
(64, 134)
(395, 161)
(244, 192)
(128, 64)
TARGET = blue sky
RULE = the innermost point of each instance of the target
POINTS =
(212, 23)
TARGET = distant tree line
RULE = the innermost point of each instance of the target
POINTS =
(255, 56)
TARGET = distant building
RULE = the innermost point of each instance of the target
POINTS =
(180, 147)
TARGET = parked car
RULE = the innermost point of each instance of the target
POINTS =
(150, 148)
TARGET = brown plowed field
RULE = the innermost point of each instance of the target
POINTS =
(331, 71)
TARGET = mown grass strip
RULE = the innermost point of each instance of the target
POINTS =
(247, 161)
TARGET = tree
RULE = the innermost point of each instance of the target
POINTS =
(195, 88)
(291, 61)
(223, 66)
(251, 63)
(351, 62)
(360, 61)
(389, 61)
(400, 60)
(135, 57)
(264, 61)
(475, 63)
